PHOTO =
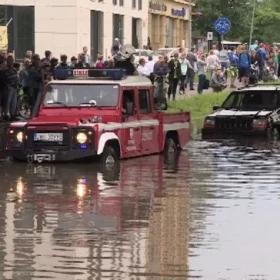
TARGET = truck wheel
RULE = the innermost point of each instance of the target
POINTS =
(170, 146)
(170, 151)
(109, 157)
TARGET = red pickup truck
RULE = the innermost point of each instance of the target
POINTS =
(84, 117)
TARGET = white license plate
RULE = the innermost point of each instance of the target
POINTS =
(48, 137)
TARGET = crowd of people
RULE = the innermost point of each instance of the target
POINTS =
(217, 69)
(31, 76)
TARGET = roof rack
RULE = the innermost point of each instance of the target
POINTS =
(268, 84)
(259, 84)
(91, 73)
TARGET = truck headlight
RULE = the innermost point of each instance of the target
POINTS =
(20, 136)
(81, 138)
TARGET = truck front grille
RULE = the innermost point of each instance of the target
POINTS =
(234, 123)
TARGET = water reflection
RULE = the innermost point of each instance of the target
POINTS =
(77, 222)
(234, 209)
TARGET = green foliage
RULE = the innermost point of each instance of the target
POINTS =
(238, 11)
(266, 22)
(198, 105)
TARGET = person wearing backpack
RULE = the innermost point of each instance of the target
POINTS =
(233, 68)
(244, 65)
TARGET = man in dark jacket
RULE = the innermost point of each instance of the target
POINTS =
(36, 77)
(174, 75)
(11, 87)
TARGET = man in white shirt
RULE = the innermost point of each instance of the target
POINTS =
(150, 68)
(87, 56)
(142, 68)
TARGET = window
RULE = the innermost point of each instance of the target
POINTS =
(128, 102)
(144, 101)
(59, 95)
(21, 28)
(133, 4)
(118, 21)
(121, 2)
(139, 4)
(251, 100)
(115, 2)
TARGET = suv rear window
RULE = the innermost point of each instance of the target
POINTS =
(252, 100)
(81, 95)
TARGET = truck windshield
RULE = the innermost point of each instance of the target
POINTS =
(252, 100)
(71, 95)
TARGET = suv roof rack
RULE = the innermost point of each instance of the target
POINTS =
(259, 84)
(90, 73)
(268, 84)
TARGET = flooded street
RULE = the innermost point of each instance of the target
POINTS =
(211, 214)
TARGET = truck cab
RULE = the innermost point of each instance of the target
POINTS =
(81, 117)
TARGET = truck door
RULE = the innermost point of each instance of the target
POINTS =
(149, 123)
(131, 129)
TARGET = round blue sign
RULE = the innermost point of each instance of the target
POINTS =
(222, 25)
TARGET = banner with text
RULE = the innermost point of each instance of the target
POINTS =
(3, 38)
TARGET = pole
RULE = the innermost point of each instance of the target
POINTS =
(252, 23)
(8, 23)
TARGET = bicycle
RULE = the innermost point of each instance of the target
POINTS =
(24, 104)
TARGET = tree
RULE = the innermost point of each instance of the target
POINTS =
(235, 10)
(267, 21)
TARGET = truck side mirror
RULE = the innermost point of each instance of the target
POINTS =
(216, 107)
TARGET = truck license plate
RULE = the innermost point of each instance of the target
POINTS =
(48, 137)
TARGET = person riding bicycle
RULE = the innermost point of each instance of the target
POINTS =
(161, 71)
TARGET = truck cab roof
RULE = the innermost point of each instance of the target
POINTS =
(128, 81)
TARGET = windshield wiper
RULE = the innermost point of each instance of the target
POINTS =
(230, 108)
(56, 103)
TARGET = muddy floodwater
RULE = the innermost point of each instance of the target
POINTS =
(213, 213)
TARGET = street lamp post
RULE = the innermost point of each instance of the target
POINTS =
(252, 23)
(253, 20)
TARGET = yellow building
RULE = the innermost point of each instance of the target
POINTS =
(169, 23)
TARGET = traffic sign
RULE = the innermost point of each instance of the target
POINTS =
(209, 36)
(222, 25)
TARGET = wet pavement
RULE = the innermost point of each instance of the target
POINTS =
(210, 214)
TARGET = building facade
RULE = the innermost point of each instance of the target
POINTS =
(170, 23)
(65, 26)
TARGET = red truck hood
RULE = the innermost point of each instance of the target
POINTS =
(55, 120)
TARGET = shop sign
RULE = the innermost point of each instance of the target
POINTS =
(157, 6)
(178, 12)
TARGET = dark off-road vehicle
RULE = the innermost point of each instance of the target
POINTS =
(252, 110)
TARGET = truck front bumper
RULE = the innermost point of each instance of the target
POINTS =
(41, 156)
